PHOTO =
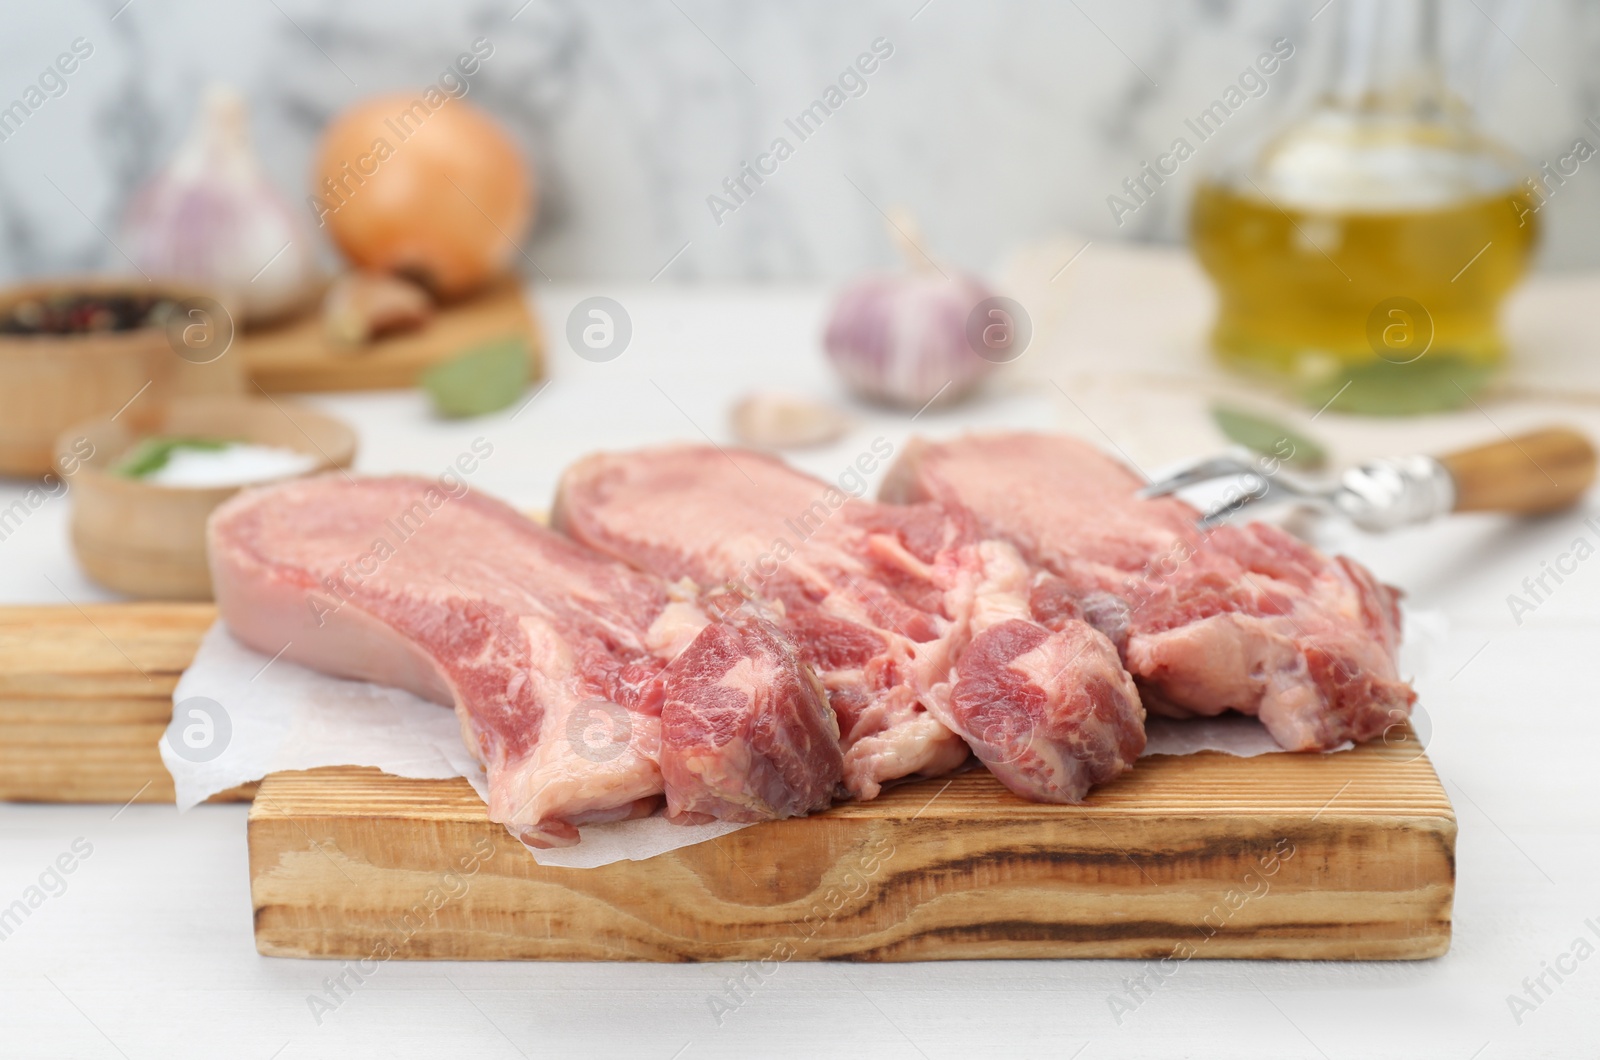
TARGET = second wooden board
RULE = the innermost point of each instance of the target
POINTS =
(298, 356)
(85, 695)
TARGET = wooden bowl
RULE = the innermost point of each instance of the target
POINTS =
(149, 540)
(50, 382)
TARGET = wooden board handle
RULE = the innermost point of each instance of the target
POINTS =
(1541, 471)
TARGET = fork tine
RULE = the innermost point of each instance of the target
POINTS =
(1203, 470)
(1227, 507)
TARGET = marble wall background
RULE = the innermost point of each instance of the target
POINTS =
(994, 121)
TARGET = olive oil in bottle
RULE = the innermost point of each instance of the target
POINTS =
(1399, 303)
(1362, 255)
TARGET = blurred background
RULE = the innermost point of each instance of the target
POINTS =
(1371, 227)
(993, 122)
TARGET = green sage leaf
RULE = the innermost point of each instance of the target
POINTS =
(1268, 437)
(482, 380)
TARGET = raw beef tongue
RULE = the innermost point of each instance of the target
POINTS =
(573, 675)
(883, 602)
(1243, 617)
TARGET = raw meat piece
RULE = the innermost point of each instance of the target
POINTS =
(1242, 617)
(573, 675)
(883, 601)
(746, 730)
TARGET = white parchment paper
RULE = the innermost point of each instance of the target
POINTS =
(239, 715)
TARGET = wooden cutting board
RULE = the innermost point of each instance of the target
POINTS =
(1347, 856)
(297, 356)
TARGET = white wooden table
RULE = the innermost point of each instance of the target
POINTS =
(145, 948)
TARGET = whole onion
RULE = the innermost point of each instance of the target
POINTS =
(901, 338)
(438, 194)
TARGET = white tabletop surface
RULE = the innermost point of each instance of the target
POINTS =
(148, 952)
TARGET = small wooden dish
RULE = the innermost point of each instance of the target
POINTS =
(149, 540)
(49, 382)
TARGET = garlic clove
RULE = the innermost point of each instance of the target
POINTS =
(770, 420)
(212, 219)
(901, 339)
(362, 306)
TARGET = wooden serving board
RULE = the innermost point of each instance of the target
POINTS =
(1344, 856)
(85, 694)
(297, 356)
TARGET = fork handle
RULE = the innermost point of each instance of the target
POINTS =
(1541, 471)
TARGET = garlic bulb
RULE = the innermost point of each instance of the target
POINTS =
(210, 218)
(902, 338)
(770, 420)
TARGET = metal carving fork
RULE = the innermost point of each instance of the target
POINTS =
(1542, 471)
